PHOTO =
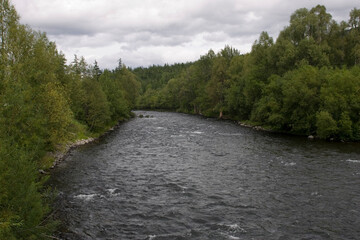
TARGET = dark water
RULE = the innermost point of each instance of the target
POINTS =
(175, 176)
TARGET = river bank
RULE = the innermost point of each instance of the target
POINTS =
(246, 124)
(59, 155)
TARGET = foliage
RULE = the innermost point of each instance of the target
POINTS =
(326, 125)
(22, 206)
(96, 106)
(43, 105)
(307, 82)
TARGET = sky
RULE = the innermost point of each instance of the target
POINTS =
(147, 32)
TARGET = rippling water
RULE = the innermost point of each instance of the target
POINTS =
(175, 176)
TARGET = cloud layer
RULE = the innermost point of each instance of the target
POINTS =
(146, 32)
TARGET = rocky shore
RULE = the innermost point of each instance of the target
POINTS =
(258, 128)
(61, 155)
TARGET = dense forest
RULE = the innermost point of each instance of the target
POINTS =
(44, 104)
(306, 82)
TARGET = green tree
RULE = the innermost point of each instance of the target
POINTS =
(340, 97)
(129, 84)
(345, 127)
(22, 206)
(235, 98)
(354, 20)
(217, 85)
(290, 103)
(119, 109)
(23, 129)
(76, 95)
(171, 92)
(96, 72)
(59, 117)
(97, 113)
(326, 125)
(338, 43)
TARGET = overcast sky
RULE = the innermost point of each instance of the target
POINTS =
(146, 32)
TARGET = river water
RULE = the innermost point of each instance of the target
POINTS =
(177, 176)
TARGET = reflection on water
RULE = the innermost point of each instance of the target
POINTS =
(175, 176)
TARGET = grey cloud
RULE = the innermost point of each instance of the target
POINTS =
(67, 30)
(143, 32)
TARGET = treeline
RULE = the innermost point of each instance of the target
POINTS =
(306, 82)
(44, 104)
(155, 77)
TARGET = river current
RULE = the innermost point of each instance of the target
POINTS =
(177, 176)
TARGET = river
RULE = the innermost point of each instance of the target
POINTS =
(178, 176)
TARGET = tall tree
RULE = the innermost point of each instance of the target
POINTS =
(217, 85)
(354, 20)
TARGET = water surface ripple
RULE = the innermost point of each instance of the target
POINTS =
(175, 176)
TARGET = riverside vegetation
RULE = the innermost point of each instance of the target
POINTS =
(44, 105)
(307, 82)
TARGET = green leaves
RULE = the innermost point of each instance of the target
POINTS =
(354, 20)
(22, 206)
(345, 127)
(43, 105)
(97, 113)
(340, 98)
(326, 125)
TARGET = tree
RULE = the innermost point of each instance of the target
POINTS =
(97, 113)
(115, 95)
(39, 98)
(171, 94)
(235, 98)
(128, 84)
(320, 23)
(217, 85)
(301, 100)
(345, 127)
(338, 43)
(354, 20)
(262, 66)
(22, 206)
(23, 127)
(326, 125)
(8, 22)
(59, 117)
(228, 53)
(340, 98)
(96, 72)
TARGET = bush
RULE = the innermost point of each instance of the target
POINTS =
(326, 125)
